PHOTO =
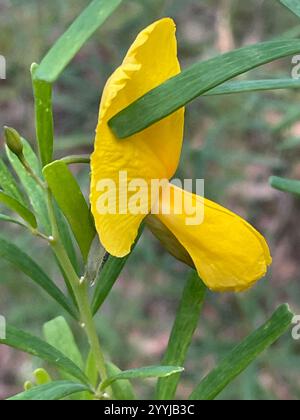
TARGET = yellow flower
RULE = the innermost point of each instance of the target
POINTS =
(228, 253)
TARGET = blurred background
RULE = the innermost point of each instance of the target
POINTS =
(235, 142)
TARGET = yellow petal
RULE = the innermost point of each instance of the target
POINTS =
(152, 154)
(228, 253)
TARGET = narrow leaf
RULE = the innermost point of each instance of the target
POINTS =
(43, 117)
(122, 390)
(289, 143)
(59, 335)
(27, 343)
(53, 391)
(293, 5)
(66, 237)
(34, 191)
(71, 201)
(186, 322)
(23, 262)
(291, 117)
(195, 81)
(17, 207)
(108, 275)
(253, 86)
(74, 38)
(8, 183)
(142, 373)
(38, 199)
(244, 354)
(4, 218)
(286, 185)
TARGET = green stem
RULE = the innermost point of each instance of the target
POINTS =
(70, 160)
(31, 172)
(79, 287)
(80, 290)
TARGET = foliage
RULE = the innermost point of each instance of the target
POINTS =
(41, 197)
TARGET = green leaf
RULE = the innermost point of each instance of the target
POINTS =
(8, 183)
(51, 392)
(122, 390)
(244, 354)
(142, 373)
(286, 185)
(66, 237)
(38, 200)
(293, 5)
(34, 191)
(71, 201)
(195, 81)
(186, 322)
(291, 117)
(43, 117)
(253, 86)
(4, 218)
(74, 38)
(27, 343)
(23, 262)
(59, 335)
(108, 275)
(289, 143)
(17, 207)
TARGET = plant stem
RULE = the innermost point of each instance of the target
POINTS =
(70, 160)
(79, 286)
(31, 172)
(80, 290)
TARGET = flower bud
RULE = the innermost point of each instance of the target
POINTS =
(42, 377)
(28, 386)
(13, 141)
